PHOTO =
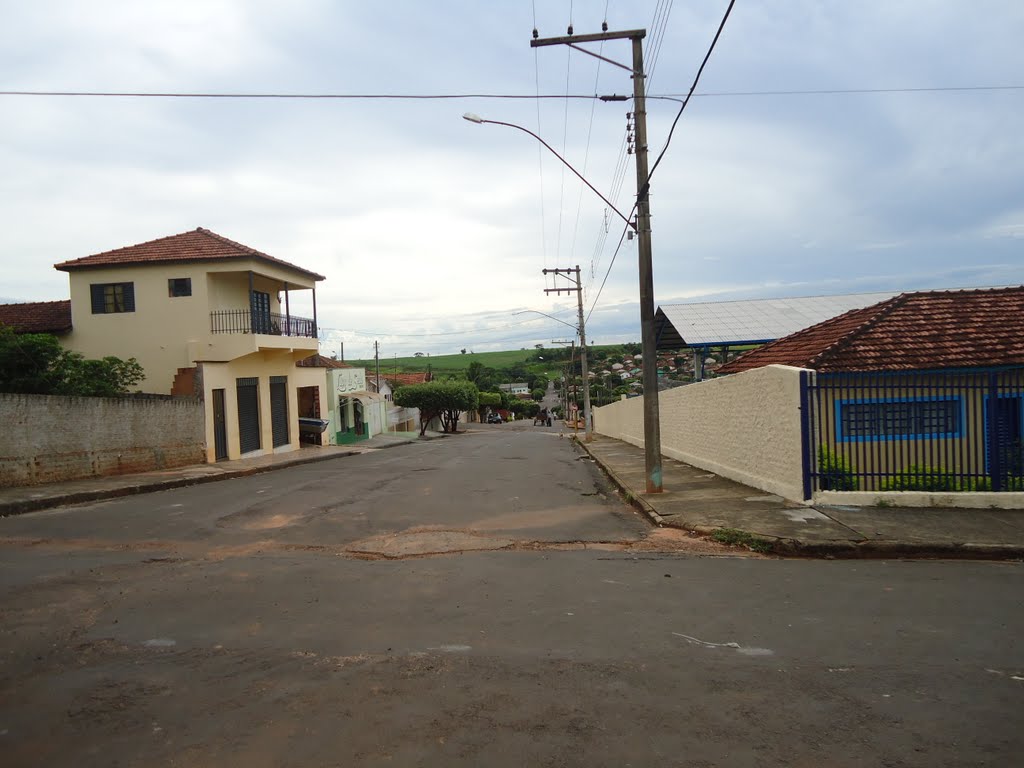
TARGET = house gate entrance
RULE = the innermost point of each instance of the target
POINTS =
(220, 427)
(279, 410)
(248, 414)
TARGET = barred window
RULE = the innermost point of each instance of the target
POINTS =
(882, 420)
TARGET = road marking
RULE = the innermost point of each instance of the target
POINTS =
(745, 650)
(160, 642)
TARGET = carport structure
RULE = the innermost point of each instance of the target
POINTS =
(723, 324)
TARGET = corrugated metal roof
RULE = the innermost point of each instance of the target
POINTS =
(714, 323)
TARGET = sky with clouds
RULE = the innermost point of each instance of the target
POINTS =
(434, 231)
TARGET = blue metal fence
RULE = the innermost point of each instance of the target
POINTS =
(913, 431)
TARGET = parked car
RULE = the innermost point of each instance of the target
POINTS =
(494, 418)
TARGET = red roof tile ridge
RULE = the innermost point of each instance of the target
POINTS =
(228, 241)
(881, 311)
(103, 259)
(35, 303)
(37, 316)
(786, 341)
(320, 361)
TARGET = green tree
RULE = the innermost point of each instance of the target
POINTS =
(490, 400)
(443, 400)
(35, 363)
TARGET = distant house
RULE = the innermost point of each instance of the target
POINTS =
(204, 316)
(38, 317)
(398, 419)
(354, 412)
(517, 389)
(922, 391)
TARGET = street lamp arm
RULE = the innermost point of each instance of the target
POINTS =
(477, 119)
(536, 312)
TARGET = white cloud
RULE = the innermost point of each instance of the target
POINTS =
(426, 224)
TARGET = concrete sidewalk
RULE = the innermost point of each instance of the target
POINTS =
(14, 501)
(697, 500)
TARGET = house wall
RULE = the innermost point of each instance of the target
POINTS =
(49, 439)
(745, 427)
(260, 365)
(165, 333)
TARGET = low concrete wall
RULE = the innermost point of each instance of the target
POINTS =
(745, 427)
(47, 439)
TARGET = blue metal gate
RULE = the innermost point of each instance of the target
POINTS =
(913, 431)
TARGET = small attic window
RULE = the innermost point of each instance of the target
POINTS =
(179, 286)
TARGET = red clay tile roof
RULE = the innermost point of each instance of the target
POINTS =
(37, 316)
(198, 245)
(319, 361)
(913, 331)
(404, 379)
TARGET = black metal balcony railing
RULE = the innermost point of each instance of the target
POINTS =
(269, 323)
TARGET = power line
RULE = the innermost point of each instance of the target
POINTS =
(686, 100)
(668, 140)
(491, 329)
(846, 91)
(452, 96)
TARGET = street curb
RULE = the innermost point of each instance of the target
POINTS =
(10, 509)
(631, 498)
(865, 550)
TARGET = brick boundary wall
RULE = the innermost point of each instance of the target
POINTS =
(47, 438)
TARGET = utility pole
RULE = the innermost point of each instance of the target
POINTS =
(652, 426)
(583, 338)
(565, 377)
(376, 360)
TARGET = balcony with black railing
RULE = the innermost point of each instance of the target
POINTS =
(257, 322)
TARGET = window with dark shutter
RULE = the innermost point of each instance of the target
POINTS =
(111, 298)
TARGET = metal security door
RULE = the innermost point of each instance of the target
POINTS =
(248, 414)
(279, 409)
(220, 426)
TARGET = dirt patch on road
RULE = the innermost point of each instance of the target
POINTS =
(677, 540)
(433, 542)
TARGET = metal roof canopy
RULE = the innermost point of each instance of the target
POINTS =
(754, 321)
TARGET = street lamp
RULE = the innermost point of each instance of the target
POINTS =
(641, 227)
(479, 121)
(536, 312)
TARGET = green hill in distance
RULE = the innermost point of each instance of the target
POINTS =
(547, 360)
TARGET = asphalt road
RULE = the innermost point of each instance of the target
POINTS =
(484, 599)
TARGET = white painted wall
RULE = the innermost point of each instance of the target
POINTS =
(745, 427)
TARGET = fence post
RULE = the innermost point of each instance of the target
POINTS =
(806, 432)
(995, 468)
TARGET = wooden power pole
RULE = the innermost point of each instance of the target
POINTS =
(652, 426)
(578, 289)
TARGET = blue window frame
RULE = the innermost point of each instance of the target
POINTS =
(899, 418)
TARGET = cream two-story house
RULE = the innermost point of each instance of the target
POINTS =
(210, 317)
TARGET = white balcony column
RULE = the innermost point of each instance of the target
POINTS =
(287, 311)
